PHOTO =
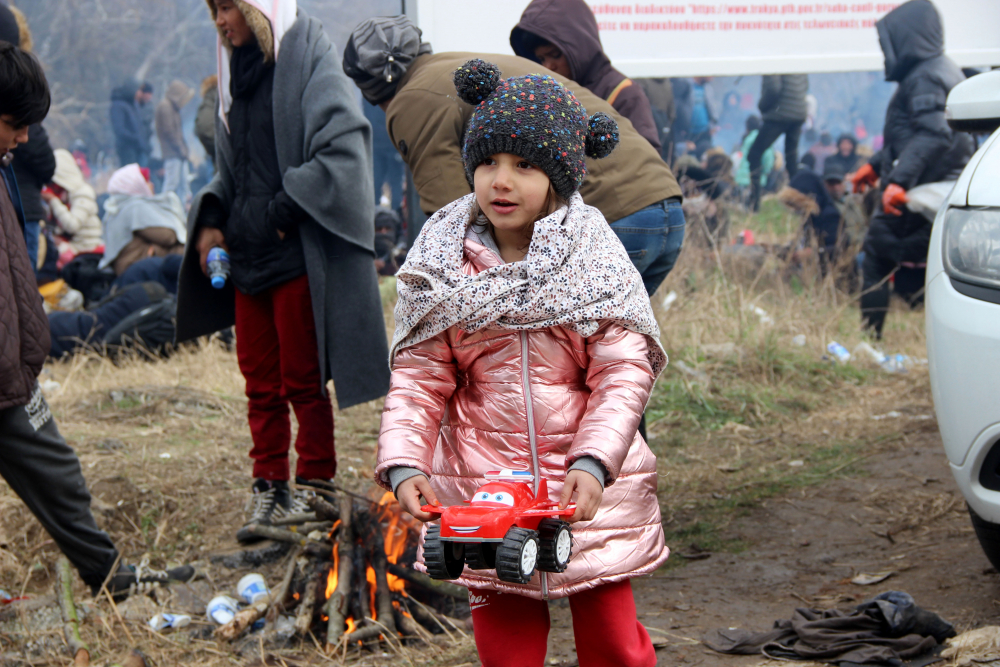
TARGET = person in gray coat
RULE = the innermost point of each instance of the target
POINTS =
(783, 109)
(292, 201)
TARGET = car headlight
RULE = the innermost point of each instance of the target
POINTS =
(972, 245)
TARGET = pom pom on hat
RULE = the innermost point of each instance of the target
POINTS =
(476, 80)
(602, 135)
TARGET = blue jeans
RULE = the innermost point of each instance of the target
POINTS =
(653, 238)
(31, 232)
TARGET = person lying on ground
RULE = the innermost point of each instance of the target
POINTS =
(35, 460)
(293, 202)
(512, 265)
(634, 188)
(139, 224)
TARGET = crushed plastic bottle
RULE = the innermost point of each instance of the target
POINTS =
(5, 597)
(164, 620)
(839, 352)
(863, 349)
(896, 363)
(799, 340)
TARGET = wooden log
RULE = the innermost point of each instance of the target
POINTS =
(361, 590)
(319, 551)
(336, 607)
(307, 605)
(435, 585)
(278, 534)
(295, 519)
(323, 510)
(71, 622)
(407, 624)
(366, 633)
(250, 615)
(383, 596)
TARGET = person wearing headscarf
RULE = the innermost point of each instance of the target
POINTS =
(293, 203)
(139, 224)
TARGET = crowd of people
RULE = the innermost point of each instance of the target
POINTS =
(559, 191)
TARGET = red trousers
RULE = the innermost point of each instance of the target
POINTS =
(512, 630)
(277, 351)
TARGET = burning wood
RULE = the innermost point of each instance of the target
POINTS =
(352, 582)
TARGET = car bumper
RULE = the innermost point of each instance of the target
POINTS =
(963, 347)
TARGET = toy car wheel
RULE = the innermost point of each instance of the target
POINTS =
(555, 541)
(517, 555)
(481, 555)
(444, 559)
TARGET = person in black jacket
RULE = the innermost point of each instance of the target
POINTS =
(783, 109)
(34, 165)
(919, 148)
(131, 135)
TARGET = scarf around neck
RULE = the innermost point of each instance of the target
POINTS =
(575, 275)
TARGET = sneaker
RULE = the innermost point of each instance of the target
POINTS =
(270, 500)
(131, 579)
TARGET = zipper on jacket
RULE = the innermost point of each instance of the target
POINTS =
(532, 442)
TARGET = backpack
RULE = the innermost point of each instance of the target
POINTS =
(151, 329)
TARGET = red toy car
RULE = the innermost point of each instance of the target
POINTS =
(505, 526)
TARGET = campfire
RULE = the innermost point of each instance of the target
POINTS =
(351, 579)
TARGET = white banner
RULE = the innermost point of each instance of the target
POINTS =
(723, 37)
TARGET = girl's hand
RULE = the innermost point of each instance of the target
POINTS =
(408, 494)
(589, 492)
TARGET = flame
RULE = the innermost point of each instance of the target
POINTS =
(370, 575)
(351, 625)
(395, 538)
(331, 578)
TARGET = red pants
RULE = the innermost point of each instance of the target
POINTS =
(512, 630)
(276, 348)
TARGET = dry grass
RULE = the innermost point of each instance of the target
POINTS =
(757, 416)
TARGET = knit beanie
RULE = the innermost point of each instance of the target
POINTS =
(378, 53)
(534, 117)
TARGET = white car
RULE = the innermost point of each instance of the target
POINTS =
(963, 312)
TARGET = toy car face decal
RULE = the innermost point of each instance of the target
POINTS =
(501, 498)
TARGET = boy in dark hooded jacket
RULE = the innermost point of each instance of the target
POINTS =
(34, 458)
(562, 35)
(919, 148)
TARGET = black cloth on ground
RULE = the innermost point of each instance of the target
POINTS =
(885, 630)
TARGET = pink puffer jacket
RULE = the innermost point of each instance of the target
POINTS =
(459, 405)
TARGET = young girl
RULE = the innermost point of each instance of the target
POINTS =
(525, 339)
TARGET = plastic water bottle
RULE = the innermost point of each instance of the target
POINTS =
(839, 352)
(218, 267)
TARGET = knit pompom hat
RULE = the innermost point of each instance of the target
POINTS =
(533, 117)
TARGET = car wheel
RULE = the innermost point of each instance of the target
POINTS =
(517, 555)
(989, 537)
(481, 555)
(555, 541)
(444, 559)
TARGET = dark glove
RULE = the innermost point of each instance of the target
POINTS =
(284, 214)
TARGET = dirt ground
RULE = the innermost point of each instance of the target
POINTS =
(902, 514)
